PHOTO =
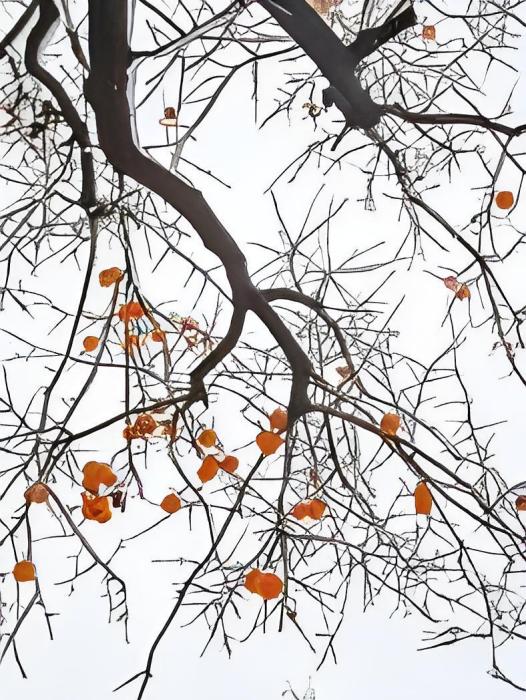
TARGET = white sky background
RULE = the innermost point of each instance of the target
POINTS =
(377, 658)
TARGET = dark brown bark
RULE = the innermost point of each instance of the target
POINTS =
(106, 90)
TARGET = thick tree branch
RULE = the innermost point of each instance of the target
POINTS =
(18, 27)
(453, 118)
(49, 16)
(331, 56)
(106, 90)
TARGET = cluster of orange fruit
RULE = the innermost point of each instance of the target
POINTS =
(265, 584)
(212, 463)
(132, 311)
(95, 507)
(269, 441)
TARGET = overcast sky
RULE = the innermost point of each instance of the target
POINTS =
(376, 652)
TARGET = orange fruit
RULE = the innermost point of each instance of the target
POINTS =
(267, 585)
(229, 464)
(300, 511)
(317, 509)
(208, 468)
(268, 442)
(144, 423)
(37, 493)
(279, 419)
(520, 503)
(270, 586)
(130, 311)
(90, 343)
(158, 336)
(24, 571)
(129, 433)
(423, 499)
(131, 342)
(110, 276)
(504, 200)
(252, 580)
(171, 503)
(390, 424)
(96, 508)
(463, 292)
(97, 473)
(208, 438)
(429, 32)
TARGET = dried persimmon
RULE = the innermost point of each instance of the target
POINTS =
(269, 442)
(423, 499)
(208, 469)
(110, 276)
(390, 424)
(171, 503)
(279, 419)
(207, 438)
(24, 571)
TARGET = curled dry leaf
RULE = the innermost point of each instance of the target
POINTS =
(452, 283)
(390, 424)
(423, 499)
(344, 371)
(520, 503)
(463, 292)
(323, 7)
